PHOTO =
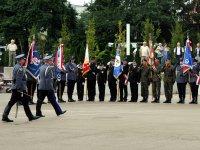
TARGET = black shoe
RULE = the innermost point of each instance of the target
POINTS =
(180, 102)
(167, 102)
(133, 101)
(143, 101)
(192, 102)
(155, 101)
(34, 118)
(40, 115)
(80, 100)
(61, 101)
(6, 119)
(71, 100)
(62, 112)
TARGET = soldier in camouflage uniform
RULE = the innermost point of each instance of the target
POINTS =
(169, 79)
(156, 81)
(144, 79)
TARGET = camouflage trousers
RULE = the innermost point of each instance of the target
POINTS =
(145, 89)
(168, 87)
(156, 89)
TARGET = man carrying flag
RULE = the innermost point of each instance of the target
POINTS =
(32, 71)
(86, 64)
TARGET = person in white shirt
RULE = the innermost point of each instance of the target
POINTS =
(12, 47)
(197, 52)
(144, 51)
(178, 51)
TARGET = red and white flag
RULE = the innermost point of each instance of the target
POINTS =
(86, 64)
(59, 57)
(198, 80)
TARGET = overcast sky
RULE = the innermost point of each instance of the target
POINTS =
(79, 2)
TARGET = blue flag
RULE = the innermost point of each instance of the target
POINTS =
(33, 61)
(187, 61)
(117, 66)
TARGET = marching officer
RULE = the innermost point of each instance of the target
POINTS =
(61, 86)
(181, 80)
(71, 68)
(19, 92)
(46, 87)
(112, 82)
(91, 81)
(169, 80)
(194, 72)
(80, 83)
(134, 79)
(123, 81)
(31, 86)
(156, 81)
(101, 80)
(144, 80)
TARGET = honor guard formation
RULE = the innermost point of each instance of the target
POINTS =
(53, 75)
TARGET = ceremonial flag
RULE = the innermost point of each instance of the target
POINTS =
(117, 66)
(59, 57)
(33, 61)
(86, 64)
(198, 80)
(187, 61)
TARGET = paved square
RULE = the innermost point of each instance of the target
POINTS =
(104, 126)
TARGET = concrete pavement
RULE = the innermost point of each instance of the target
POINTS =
(104, 126)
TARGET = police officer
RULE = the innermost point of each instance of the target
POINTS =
(112, 81)
(71, 68)
(144, 79)
(101, 80)
(31, 86)
(123, 81)
(91, 81)
(169, 79)
(61, 86)
(181, 80)
(156, 81)
(193, 73)
(19, 90)
(134, 79)
(80, 82)
(46, 87)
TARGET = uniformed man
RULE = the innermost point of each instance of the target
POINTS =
(101, 80)
(80, 82)
(112, 81)
(46, 87)
(123, 82)
(181, 80)
(169, 80)
(134, 79)
(61, 86)
(19, 88)
(71, 69)
(193, 73)
(91, 81)
(156, 81)
(144, 80)
(31, 87)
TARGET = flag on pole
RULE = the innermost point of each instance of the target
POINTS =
(187, 61)
(86, 64)
(59, 57)
(198, 80)
(117, 66)
(33, 61)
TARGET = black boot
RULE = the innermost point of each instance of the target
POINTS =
(167, 101)
(6, 119)
(34, 118)
(144, 100)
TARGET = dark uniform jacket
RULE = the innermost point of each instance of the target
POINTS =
(123, 76)
(134, 74)
(169, 74)
(111, 77)
(144, 74)
(156, 74)
(71, 69)
(91, 75)
(193, 73)
(19, 78)
(180, 76)
(101, 74)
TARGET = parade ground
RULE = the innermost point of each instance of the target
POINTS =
(104, 126)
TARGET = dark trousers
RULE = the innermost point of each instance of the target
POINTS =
(15, 97)
(168, 88)
(156, 89)
(134, 91)
(61, 88)
(113, 90)
(91, 87)
(80, 90)
(31, 87)
(181, 90)
(70, 88)
(51, 97)
(123, 91)
(145, 90)
(101, 86)
(194, 89)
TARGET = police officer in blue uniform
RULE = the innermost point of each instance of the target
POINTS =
(61, 86)
(19, 90)
(46, 87)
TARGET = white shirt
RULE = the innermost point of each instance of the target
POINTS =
(177, 50)
(144, 51)
(12, 47)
